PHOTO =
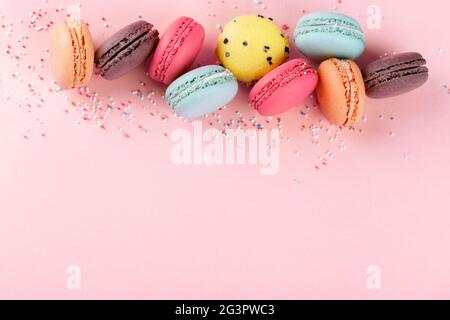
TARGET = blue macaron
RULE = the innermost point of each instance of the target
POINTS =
(202, 91)
(323, 35)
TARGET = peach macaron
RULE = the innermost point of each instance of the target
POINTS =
(341, 92)
(72, 53)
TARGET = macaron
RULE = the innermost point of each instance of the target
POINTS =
(126, 49)
(284, 87)
(340, 92)
(177, 50)
(72, 53)
(323, 35)
(202, 91)
(251, 46)
(394, 75)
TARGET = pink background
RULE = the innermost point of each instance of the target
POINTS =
(111, 201)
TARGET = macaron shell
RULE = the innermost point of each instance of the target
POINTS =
(288, 94)
(184, 54)
(314, 41)
(63, 60)
(321, 46)
(126, 49)
(116, 39)
(202, 100)
(361, 107)
(413, 59)
(252, 46)
(63, 55)
(131, 59)
(331, 94)
(395, 75)
(399, 85)
(90, 53)
(207, 100)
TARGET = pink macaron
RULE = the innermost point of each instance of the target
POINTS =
(284, 87)
(177, 50)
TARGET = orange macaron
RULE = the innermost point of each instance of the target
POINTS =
(72, 53)
(341, 93)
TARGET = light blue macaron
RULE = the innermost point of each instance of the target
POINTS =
(324, 35)
(202, 91)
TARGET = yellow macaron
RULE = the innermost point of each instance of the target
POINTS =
(251, 46)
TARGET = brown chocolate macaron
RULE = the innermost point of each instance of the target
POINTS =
(394, 75)
(126, 49)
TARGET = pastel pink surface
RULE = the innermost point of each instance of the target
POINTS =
(286, 96)
(111, 201)
(185, 52)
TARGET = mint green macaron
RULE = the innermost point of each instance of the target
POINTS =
(324, 35)
(202, 91)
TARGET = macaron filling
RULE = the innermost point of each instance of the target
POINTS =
(79, 50)
(183, 32)
(330, 25)
(189, 87)
(282, 80)
(125, 47)
(351, 89)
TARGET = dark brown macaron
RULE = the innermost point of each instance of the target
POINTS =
(126, 49)
(395, 75)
